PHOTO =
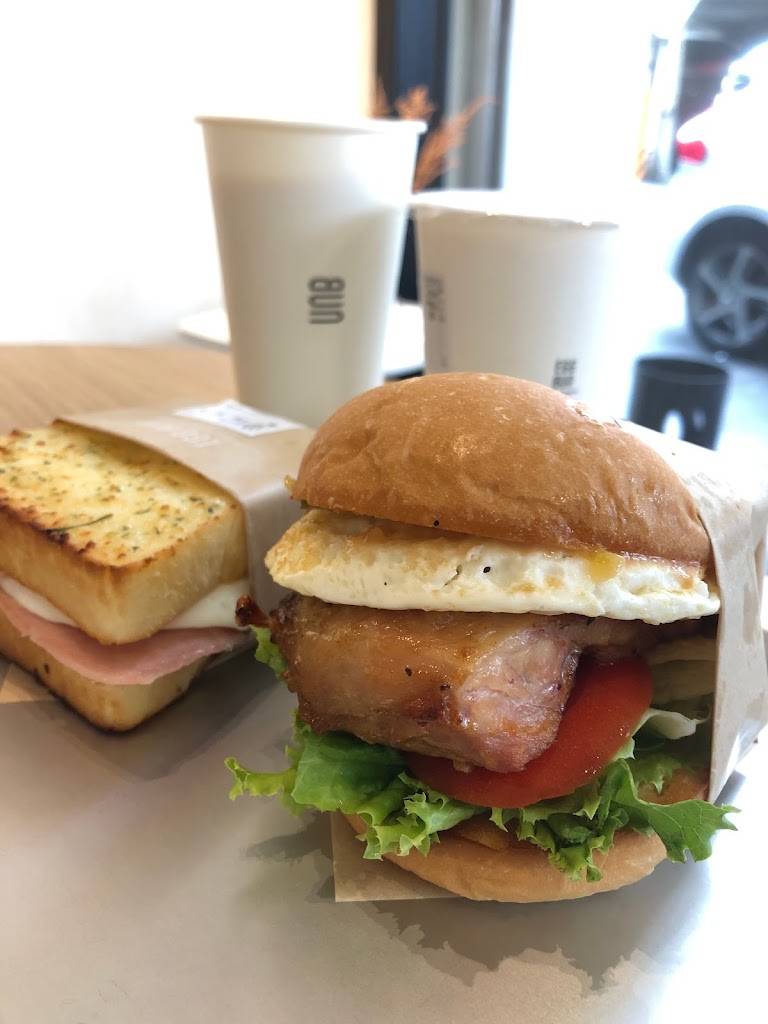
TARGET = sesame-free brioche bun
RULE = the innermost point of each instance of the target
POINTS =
(479, 861)
(502, 458)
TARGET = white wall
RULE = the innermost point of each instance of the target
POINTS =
(106, 232)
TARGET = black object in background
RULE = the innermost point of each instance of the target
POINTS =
(412, 50)
(693, 391)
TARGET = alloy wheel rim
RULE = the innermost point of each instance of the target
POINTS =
(729, 300)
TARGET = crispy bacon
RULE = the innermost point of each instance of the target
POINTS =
(480, 687)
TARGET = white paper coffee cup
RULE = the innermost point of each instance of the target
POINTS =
(514, 290)
(310, 221)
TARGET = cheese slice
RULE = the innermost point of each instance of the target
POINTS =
(215, 609)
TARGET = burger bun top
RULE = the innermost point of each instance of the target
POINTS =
(501, 458)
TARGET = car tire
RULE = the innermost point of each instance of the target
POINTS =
(726, 288)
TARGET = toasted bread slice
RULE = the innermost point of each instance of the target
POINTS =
(117, 536)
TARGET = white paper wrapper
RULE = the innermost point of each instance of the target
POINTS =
(732, 501)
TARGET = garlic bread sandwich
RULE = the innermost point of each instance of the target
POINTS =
(119, 570)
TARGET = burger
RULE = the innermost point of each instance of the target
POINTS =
(501, 634)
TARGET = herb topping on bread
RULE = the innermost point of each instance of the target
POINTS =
(119, 537)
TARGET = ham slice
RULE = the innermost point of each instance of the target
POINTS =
(138, 663)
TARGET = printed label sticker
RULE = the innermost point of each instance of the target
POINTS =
(238, 417)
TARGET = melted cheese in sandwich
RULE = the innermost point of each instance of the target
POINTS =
(347, 559)
(215, 609)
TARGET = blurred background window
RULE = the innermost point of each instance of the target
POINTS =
(652, 113)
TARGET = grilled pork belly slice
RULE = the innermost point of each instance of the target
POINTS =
(483, 688)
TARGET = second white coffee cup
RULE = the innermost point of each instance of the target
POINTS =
(509, 289)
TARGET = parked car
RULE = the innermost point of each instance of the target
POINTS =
(720, 199)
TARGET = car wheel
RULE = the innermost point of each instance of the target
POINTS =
(726, 288)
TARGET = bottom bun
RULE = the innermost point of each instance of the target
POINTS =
(495, 866)
(113, 706)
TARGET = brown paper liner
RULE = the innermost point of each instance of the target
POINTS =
(247, 452)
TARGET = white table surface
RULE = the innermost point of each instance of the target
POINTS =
(133, 890)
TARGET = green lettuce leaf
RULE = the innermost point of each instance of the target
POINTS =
(572, 828)
(685, 826)
(268, 652)
(279, 784)
(337, 771)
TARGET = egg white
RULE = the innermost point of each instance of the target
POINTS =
(342, 558)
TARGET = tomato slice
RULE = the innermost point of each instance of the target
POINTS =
(603, 709)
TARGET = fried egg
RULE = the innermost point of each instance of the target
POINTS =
(344, 558)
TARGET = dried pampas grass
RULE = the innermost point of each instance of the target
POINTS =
(437, 152)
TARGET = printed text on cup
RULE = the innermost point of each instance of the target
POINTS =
(564, 376)
(326, 300)
(434, 299)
